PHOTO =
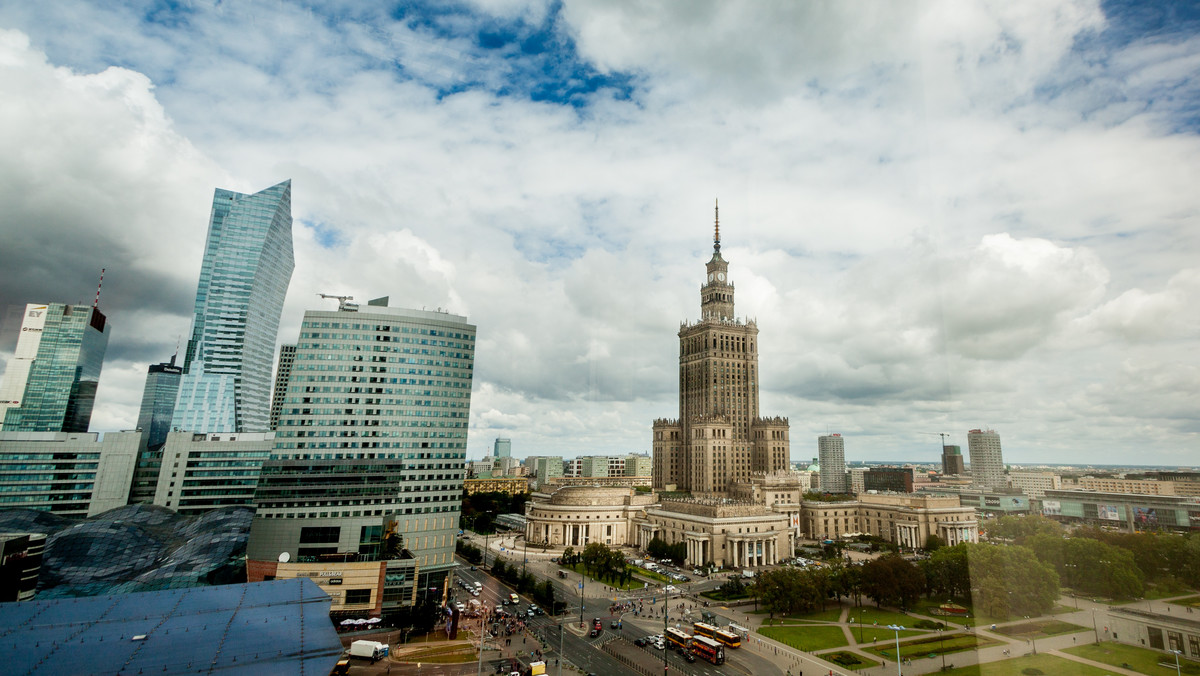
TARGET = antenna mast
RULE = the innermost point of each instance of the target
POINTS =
(343, 301)
(96, 303)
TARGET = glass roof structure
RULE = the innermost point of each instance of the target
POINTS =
(260, 628)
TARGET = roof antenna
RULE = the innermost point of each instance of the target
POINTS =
(716, 225)
(177, 340)
(96, 303)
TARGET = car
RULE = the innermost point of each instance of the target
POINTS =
(659, 645)
(669, 588)
(594, 633)
(614, 624)
(639, 642)
(689, 656)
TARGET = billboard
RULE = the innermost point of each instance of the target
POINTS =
(1108, 512)
(1143, 515)
(1051, 507)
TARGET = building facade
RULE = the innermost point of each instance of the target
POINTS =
(506, 485)
(987, 463)
(20, 563)
(283, 371)
(573, 516)
(1122, 511)
(50, 383)
(889, 479)
(247, 265)
(502, 448)
(721, 531)
(374, 426)
(907, 520)
(952, 461)
(154, 420)
(719, 437)
(831, 452)
(201, 472)
(69, 474)
(1034, 484)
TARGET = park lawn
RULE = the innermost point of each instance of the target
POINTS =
(638, 570)
(864, 662)
(1045, 664)
(872, 634)
(1193, 601)
(871, 616)
(932, 644)
(1141, 660)
(1040, 628)
(827, 615)
(926, 607)
(631, 584)
(808, 639)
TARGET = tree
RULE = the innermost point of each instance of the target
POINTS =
(1090, 566)
(934, 542)
(1018, 529)
(947, 573)
(1010, 580)
(788, 590)
(892, 580)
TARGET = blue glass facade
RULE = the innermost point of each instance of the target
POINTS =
(154, 420)
(248, 262)
(60, 383)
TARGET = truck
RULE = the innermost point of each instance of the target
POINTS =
(372, 650)
(537, 668)
(748, 573)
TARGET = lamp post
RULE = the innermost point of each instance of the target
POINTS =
(859, 628)
(1094, 629)
(897, 628)
(942, 646)
(1176, 661)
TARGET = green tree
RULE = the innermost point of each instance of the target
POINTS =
(1090, 566)
(934, 542)
(787, 590)
(1010, 580)
(1018, 529)
(892, 580)
(947, 573)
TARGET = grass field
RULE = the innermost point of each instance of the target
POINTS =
(1044, 664)
(808, 639)
(926, 606)
(923, 647)
(844, 658)
(1193, 601)
(827, 615)
(1141, 660)
(1040, 628)
(872, 634)
(632, 584)
(872, 616)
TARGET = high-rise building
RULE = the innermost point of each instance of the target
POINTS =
(719, 437)
(283, 371)
(50, 383)
(202, 472)
(502, 448)
(226, 385)
(154, 420)
(831, 451)
(371, 444)
(890, 479)
(987, 465)
(67, 473)
(952, 461)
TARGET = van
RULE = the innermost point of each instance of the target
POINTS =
(514, 599)
(748, 573)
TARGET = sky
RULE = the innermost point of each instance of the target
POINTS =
(942, 215)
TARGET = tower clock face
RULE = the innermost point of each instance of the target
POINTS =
(711, 276)
(721, 276)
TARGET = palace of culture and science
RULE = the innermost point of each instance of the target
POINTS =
(719, 438)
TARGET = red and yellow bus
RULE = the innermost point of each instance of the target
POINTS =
(708, 649)
(704, 629)
(677, 638)
(729, 638)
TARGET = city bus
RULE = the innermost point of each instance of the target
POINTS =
(708, 649)
(729, 638)
(677, 638)
(704, 629)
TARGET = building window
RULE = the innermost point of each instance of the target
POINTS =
(358, 596)
(313, 534)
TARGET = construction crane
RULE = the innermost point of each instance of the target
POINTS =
(343, 301)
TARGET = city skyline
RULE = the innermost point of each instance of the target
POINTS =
(953, 217)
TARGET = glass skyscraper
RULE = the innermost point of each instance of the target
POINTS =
(248, 262)
(373, 427)
(154, 420)
(50, 383)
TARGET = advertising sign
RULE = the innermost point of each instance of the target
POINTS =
(1145, 516)
(1109, 512)
(1051, 507)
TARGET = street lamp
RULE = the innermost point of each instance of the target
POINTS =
(1094, 629)
(942, 646)
(1177, 652)
(859, 628)
(897, 628)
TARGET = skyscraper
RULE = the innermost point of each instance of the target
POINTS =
(226, 385)
(502, 448)
(50, 383)
(719, 437)
(283, 371)
(987, 464)
(373, 429)
(952, 460)
(831, 453)
(154, 420)
(158, 402)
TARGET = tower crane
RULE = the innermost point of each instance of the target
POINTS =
(343, 301)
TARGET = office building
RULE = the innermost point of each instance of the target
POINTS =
(202, 472)
(506, 485)
(831, 451)
(987, 464)
(889, 479)
(66, 473)
(857, 478)
(154, 420)
(372, 436)
(639, 465)
(20, 562)
(247, 265)
(952, 461)
(50, 383)
(506, 466)
(283, 371)
(907, 520)
(502, 448)
(1034, 484)
(543, 468)
(719, 437)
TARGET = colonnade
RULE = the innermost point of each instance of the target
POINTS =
(955, 532)
(750, 552)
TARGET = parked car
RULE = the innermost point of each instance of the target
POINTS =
(640, 642)
(594, 632)
(614, 624)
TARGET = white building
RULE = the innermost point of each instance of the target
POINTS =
(67, 473)
(831, 452)
(1034, 484)
(987, 464)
